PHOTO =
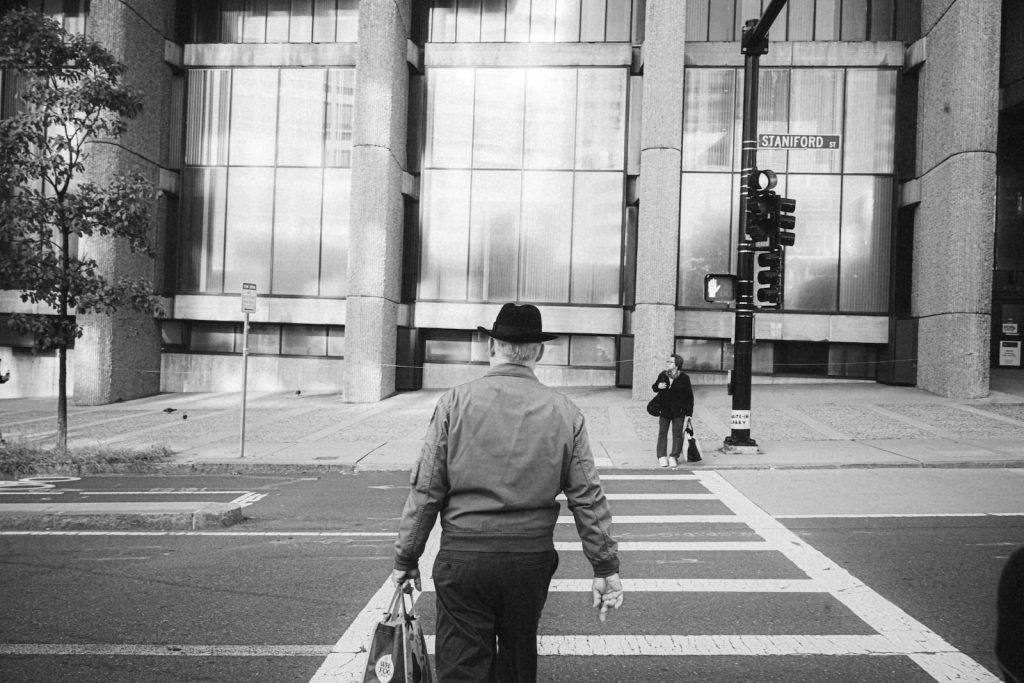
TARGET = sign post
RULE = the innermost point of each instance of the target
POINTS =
(248, 306)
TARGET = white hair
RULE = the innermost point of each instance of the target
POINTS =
(520, 354)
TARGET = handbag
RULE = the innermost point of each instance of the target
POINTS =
(693, 451)
(398, 650)
(654, 406)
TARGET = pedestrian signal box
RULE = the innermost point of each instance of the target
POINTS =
(720, 288)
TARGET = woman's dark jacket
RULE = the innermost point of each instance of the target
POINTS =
(677, 399)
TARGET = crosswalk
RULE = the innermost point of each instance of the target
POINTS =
(723, 523)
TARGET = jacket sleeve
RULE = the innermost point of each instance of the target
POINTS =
(687, 397)
(654, 387)
(428, 490)
(588, 504)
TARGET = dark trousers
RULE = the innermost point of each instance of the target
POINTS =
(488, 609)
(677, 435)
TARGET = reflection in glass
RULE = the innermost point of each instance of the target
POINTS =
(498, 119)
(494, 236)
(203, 196)
(208, 108)
(867, 234)
(341, 91)
(492, 21)
(547, 221)
(550, 118)
(348, 25)
(301, 132)
(303, 340)
(296, 261)
(450, 118)
(212, 337)
(301, 29)
(816, 109)
(445, 235)
(334, 232)
(601, 119)
(248, 226)
(700, 354)
(870, 112)
(253, 117)
(812, 266)
(772, 114)
(556, 351)
(264, 338)
(596, 238)
(277, 20)
(708, 115)
(594, 351)
(467, 22)
(705, 233)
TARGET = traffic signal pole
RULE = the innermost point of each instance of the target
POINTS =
(755, 44)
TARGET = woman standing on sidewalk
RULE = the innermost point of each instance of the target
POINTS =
(675, 398)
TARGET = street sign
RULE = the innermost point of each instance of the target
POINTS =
(248, 297)
(791, 141)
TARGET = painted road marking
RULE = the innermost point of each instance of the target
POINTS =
(653, 496)
(283, 534)
(105, 650)
(686, 586)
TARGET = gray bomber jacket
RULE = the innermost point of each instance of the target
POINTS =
(497, 452)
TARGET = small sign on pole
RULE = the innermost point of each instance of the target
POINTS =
(248, 306)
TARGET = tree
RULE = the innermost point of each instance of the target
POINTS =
(69, 95)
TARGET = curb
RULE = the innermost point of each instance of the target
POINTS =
(209, 516)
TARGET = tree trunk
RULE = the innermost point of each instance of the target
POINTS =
(62, 399)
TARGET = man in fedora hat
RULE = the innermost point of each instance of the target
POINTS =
(498, 452)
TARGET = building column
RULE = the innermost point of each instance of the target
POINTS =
(657, 255)
(378, 164)
(958, 114)
(118, 356)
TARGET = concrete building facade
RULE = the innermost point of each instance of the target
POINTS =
(389, 172)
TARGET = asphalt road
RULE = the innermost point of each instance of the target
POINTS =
(710, 600)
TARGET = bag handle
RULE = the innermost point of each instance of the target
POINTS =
(398, 605)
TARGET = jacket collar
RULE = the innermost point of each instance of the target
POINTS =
(511, 370)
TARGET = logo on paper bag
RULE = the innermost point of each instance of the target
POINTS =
(384, 669)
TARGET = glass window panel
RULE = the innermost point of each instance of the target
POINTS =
(545, 254)
(442, 21)
(264, 338)
(721, 21)
(700, 354)
(296, 263)
(881, 20)
(301, 27)
(335, 232)
(494, 236)
(206, 22)
(708, 115)
(617, 22)
(587, 350)
(772, 114)
(304, 340)
(325, 21)
(212, 337)
(172, 333)
(255, 27)
(253, 117)
(542, 22)
(870, 121)
(826, 20)
(445, 235)
(601, 119)
(249, 227)
(300, 133)
(801, 19)
(75, 15)
(450, 118)
(208, 111)
(348, 22)
(855, 20)
(204, 196)
(277, 20)
(498, 118)
(567, 21)
(816, 107)
(705, 232)
(446, 346)
(866, 240)
(492, 21)
(696, 20)
(597, 238)
(592, 21)
(341, 92)
(556, 351)
(467, 23)
(231, 14)
(478, 351)
(550, 118)
(336, 341)
(852, 360)
(812, 266)
(517, 21)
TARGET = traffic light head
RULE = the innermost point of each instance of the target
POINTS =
(785, 221)
(770, 278)
(760, 210)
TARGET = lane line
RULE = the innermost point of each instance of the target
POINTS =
(665, 519)
(686, 586)
(675, 546)
(898, 627)
(653, 496)
(648, 477)
(107, 650)
(900, 515)
(276, 534)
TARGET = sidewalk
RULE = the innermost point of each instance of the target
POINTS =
(834, 425)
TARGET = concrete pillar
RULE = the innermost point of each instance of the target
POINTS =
(378, 162)
(118, 356)
(657, 255)
(958, 113)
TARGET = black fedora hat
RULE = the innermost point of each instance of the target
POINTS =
(519, 325)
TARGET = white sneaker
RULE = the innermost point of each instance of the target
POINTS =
(674, 463)
(663, 461)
